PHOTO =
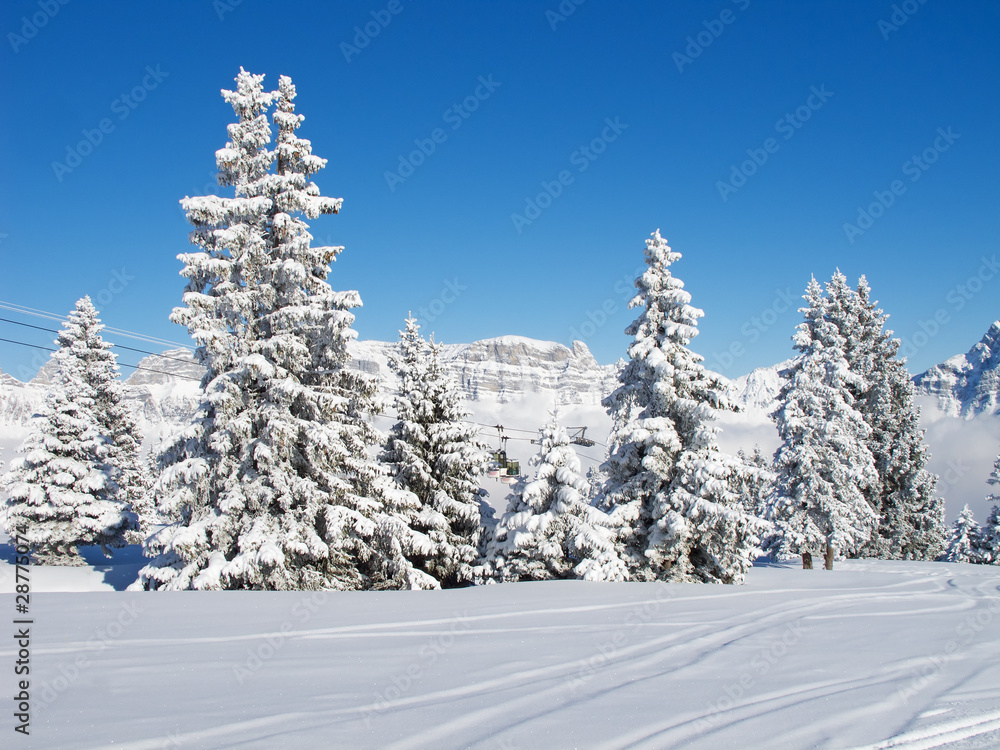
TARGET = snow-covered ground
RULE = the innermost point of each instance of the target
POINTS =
(872, 654)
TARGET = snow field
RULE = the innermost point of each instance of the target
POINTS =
(873, 654)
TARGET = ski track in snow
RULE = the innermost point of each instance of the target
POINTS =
(794, 659)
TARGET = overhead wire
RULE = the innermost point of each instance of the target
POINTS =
(119, 346)
(120, 364)
(24, 310)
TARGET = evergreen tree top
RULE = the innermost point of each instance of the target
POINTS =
(668, 315)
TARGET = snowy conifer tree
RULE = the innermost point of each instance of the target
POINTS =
(550, 530)
(87, 359)
(438, 456)
(273, 486)
(823, 465)
(64, 490)
(989, 537)
(669, 486)
(911, 516)
(963, 543)
(752, 485)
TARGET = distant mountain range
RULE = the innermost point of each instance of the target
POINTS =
(965, 386)
(506, 370)
(165, 390)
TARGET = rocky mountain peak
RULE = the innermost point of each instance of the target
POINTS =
(967, 385)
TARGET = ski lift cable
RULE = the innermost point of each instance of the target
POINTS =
(120, 346)
(511, 429)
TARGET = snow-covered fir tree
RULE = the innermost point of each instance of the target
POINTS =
(753, 485)
(669, 486)
(65, 491)
(989, 537)
(911, 516)
(437, 455)
(274, 485)
(550, 530)
(85, 357)
(824, 467)
(963, 543)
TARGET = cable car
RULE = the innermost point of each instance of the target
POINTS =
(501, 467)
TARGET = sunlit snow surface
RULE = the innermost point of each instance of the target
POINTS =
(876, 654)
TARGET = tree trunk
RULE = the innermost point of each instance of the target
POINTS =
(807, 561)
(830, 553)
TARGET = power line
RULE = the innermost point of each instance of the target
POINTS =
(24, 310)
(33, 346)
(120, 346)
(121, 364)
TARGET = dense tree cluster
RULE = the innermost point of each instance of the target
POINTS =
(282, 480)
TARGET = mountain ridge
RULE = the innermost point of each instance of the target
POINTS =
(166, 389)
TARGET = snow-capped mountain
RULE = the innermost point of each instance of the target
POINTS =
(507, 368)
(506, 372)
(967, 385)
(165, 390)
(756, 393)
(18, 401)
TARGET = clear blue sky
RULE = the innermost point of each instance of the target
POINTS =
(443, 239)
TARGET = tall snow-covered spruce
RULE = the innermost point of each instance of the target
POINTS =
(273, 486)
(84, 352)
(669, 487)
(80, 470)
(550, 530)
(824, 467)
(437, 455)
(911, 516)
